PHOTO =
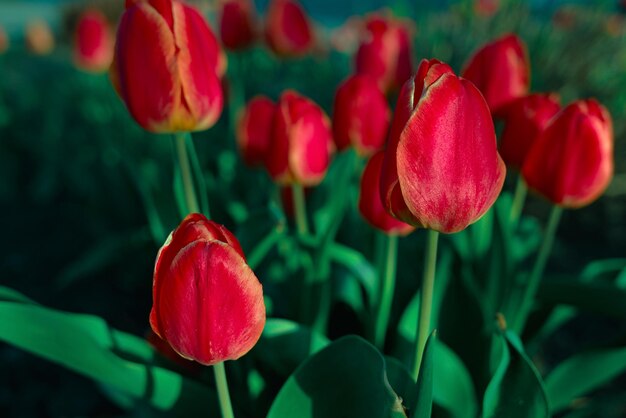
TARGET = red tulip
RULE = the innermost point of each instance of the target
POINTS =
(370, 204)
(287, 28)
(301, 143)
(254, 131)
(571, 163)
(500, 70)
(4, 40)
(441, 170)
(207, 303)
(93, 43)
(361, 115)
(237, 24)
(525, 119)
(167, 66)
(385, 52)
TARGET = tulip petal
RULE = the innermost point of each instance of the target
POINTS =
(197, 58)
(370, 204)
(310, 150)
(450, 170)
(211, 306)
(145, 57)
(254, 130)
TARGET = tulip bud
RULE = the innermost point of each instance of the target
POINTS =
(93, 44)
(441, 170)
(361, 115)
(287, 28)
(254, 131)
(39, 37)
(207, 303)
(237, 24)
(525, 119)
(167, 66)
(301, 143)
(571, 163)
(4, 40)
(370, 204)
(385, 52)
(500, 70)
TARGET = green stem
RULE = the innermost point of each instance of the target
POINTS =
(426, 301)
(537, 272)
(299, 206)
(185, 169)
(519, 198)
(222, 390)
(388, 285)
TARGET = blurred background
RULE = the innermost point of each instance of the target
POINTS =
(80, 181)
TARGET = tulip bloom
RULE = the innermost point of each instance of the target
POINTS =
(500, 70)
(39, 37)
(525, 119)
(254, 130)
(167, 66)
(361, 115)
(237, 24)
(571, 163)
(441, 170)
(301, 144)
(287, 28)
(370, 204)
(207, 303)
(93, 44)
(385, 52)
(4, 40)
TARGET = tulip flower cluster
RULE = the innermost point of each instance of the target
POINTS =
(292, 138)
(433, 162)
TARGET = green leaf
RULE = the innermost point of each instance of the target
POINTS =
(424, 405)
(401, 381)
(359, 266)
(597, 297)
(583, 373)
(453, 388)
(87, 345)
(599, 268)
(285, 344)
(346, 379)
(9, 295)
(516, 389)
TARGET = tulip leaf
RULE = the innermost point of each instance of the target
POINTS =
(9, 295)
(359, 266)
(424, 404)
(598, 297)
(583, 373)
(401, 381)
(346, 379)
(285, 344)
(260, 232)
(516, 389)
(453, 388)
(598, 268)
(87, 345)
